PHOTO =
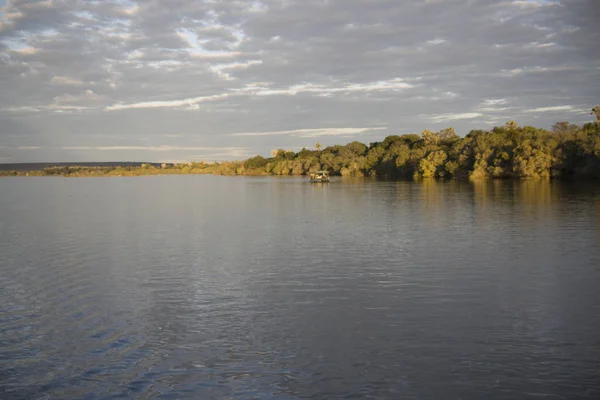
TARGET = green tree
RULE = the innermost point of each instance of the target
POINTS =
(448, 135)
(431, 166)
(564, 127)
(429, 137)
(356, 148)
(255, 162)
(509, 151)
(531, 160)
(596, 112)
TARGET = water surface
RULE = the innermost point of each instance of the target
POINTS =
(240, 287)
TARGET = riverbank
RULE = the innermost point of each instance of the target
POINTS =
(141, 169)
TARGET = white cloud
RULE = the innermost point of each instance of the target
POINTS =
(527, 3)
(314, 132)
(454, 117)
(54, 108)
(84, 14)
(534, 3)
(264, 89)
(539, 69)
(494, 102)
(494, 109)
(393, 85)
(197, 43)
(220, 69)
(236, 65)
(215, 55)
(184, 103)
(436, 41)
(222, 155)
(549, 109)
(493, 105)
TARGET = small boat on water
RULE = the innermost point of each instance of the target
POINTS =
(319, 176)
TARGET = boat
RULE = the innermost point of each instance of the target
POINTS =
(319, 176)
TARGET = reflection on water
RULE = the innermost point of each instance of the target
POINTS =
(216, 287)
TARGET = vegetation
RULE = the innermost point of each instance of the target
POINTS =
(225, 168)
(567, 151)
(596, 112)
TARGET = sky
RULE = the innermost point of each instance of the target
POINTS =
(184, 80)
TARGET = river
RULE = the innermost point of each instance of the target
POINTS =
(274, 288)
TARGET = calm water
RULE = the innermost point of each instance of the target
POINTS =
(237, 288)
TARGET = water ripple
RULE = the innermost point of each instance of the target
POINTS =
(208, 287)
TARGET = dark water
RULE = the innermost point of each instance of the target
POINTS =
(236, 288)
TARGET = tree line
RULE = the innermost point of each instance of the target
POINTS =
(508, 151)
(566, 151)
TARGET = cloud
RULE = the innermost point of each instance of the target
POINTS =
(265, 89)
(539, 70)
(436, 41)
(535, 3)
(494, 102)
(84, 71)
(183, 103)
(314, 132)
(220, 69)
(455, 117)
(549, 109)
(494, 106)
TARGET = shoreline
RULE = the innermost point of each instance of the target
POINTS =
(86, 172)
(568, 152)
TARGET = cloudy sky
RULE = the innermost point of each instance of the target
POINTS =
(176, 80)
